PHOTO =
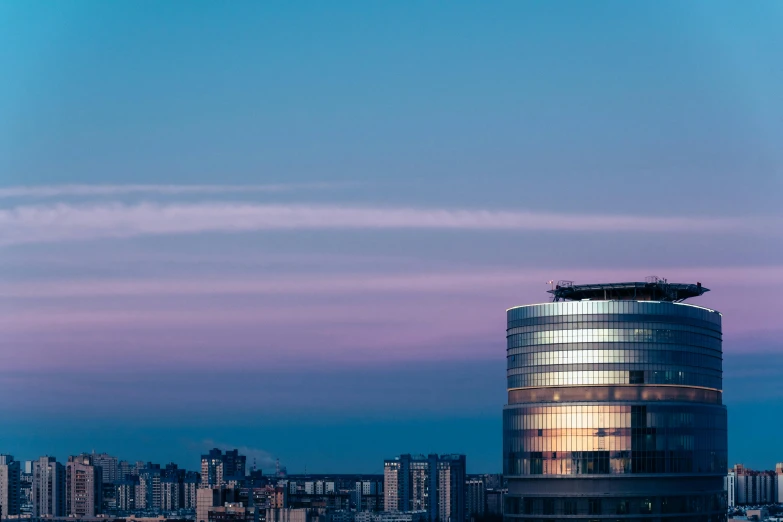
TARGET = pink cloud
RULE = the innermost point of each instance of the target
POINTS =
(66, 222)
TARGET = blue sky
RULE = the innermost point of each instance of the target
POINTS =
(323, 210)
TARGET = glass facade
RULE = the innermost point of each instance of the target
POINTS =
(614, 412)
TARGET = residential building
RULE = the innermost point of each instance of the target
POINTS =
(189, 486)
(125, 493)
(109, 467)
(125, 469)
(730, 485)
(10, 486)
(779, 482)
(208, 498)
(754, 487)
(148, 495)
(170, 498)
(432, 483)
(83, 487)
(48, 488)
(475, 498)
(396, 488)
(26, 486)
(393, 516)
(290, 515)
(615, 405)
(217, 468)
(369, 495)
(231, 512)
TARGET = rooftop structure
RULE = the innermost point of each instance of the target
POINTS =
(652, 289)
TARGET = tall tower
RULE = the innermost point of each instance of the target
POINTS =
(10, 489)
(48, 488)
(83, 486)
(615, 406)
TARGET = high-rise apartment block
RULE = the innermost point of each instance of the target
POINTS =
(170, 497)
(10, 487)
(752, 488)
(125, 469)
(218, 468)
(48, 488)
(730, 486)
(125, 493)
(779, 481)
(208, 498)
(109, 467)
(475, 498)
(615, 406)
(369, 495)
(435, 484)
(190, 484)
(83, 495)
(149, 492)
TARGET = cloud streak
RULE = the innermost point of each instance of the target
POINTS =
(67, 222)
(480, 281)
(54, 191)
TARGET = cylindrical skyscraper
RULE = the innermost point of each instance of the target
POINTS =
(615, 406)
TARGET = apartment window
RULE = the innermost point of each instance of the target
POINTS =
(594, 506)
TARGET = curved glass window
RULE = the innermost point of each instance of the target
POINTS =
(616, 439)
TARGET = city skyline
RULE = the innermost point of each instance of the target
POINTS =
(296, 231)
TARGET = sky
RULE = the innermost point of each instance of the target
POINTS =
(294, 228)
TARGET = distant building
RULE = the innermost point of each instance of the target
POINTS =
(290, 515)
(730, 485)
(369, 495)
(475, 498)
(341, 516)
(125, 493)
(10, 488)
(209, 498)
(451, 488)
(435, 484)
(757, 514)
(392, 516)
(109, 467)
(26, 487)
(754, 487)
(148, 496)
(48, 488)
(231, 512)
(779, 482)
(396, 489)
(170, 498)
(189, 486)
(496, 501)
(125, 469)
(217, 468)
(83, 497)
